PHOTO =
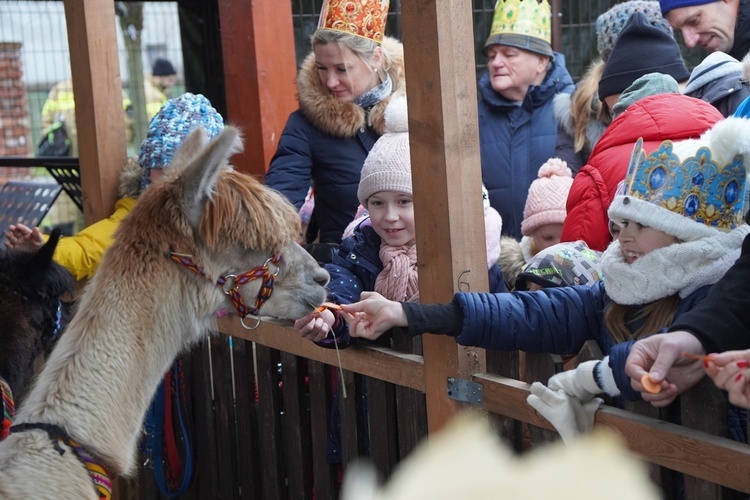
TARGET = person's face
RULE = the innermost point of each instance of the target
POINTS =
(513, 71)
(392, 217)
(343, 72)
(547, 235)
(637, 240)
(709, 25)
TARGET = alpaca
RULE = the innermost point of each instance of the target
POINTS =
(155, 293)
(31, 315)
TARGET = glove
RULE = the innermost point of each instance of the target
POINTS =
(568, 402)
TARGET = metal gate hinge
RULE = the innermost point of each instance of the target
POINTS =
(465, 390)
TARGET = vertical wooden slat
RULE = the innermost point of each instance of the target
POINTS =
(205, 444)
(248, 466)
(224, 417)
(383, 425)
(269, 414)
(443, 135)
(296, 426)
(97, 86)
(350, 410)
(259, 68)
(324, 474)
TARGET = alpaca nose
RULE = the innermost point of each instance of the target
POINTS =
(321, 276)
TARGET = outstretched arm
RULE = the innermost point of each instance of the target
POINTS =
(373, 315)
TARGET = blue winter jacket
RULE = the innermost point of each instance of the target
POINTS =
(355, 268)
(515, 139)
(553, 320)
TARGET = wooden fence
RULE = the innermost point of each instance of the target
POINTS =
(272, 444)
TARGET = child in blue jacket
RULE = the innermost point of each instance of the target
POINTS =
(681, 229)
(381, 253)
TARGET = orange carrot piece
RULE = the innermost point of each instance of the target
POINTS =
(649, 386)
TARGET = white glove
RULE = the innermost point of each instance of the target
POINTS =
(568, 402)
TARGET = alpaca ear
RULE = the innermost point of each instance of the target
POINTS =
(199, 176)
(43, 256)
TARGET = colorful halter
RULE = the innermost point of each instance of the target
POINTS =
(230, 283)
(99, 474)
(9, 408)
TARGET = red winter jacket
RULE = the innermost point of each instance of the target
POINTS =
(655, 119)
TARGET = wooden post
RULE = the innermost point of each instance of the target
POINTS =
(446, 178)
(257, 40)
(97, 88)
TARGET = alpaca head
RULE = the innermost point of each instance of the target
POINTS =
(229, 224)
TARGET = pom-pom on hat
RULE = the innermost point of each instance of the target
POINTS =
(667, 5)
(640, 49)
(610, 24)
(545, 203)
(689, 189)
(162, 67)
(365, 18)
(525, 24)
(171, 125)
(388, 165)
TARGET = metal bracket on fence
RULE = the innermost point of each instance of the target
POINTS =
(465, 390)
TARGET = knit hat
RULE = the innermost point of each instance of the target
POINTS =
(647, 85)
(640, 49)
(564, 264)
(610, 24)
(545, 203)
(388, 165)
(689, 189)
(667, 5)
(171, 125)
(525, 24)
(162, 67)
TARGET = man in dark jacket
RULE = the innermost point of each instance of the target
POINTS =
(517, 131)
(713, 24)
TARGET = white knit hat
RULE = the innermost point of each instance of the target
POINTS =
(545, 202)
(689, 189)
(388, 165)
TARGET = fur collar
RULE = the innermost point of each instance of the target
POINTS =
(344, 119)
(561, 110)
(130, 179)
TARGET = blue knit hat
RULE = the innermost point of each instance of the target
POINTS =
(171, 125)
(667, 5)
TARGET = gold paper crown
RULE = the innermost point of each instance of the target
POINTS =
(522, 17)
(365, 18)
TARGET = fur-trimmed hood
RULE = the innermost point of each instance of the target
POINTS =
(130, 179)
(340, 118)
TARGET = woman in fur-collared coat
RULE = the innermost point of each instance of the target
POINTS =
(344, 86)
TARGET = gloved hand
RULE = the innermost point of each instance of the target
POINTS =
(568, 401)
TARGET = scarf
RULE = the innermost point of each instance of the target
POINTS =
(678, 268)
(398, 280)
(376, 94)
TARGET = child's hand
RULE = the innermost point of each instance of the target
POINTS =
(315, 326)
(21, 237)
(730, 371)
(373, 315)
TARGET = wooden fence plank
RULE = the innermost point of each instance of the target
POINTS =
(296, 429)
(269, 414)
(226, 446)
(325, 483)
(383, 425)
(246, 420)
(205, 444)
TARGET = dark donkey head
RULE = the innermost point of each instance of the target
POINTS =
(31, 285)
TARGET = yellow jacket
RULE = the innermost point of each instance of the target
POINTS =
(81, 254)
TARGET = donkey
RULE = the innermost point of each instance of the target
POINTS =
(31, 315)
(199, 239)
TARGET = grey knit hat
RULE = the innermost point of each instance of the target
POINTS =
(171, 125)
(388, 165)
(610, 24)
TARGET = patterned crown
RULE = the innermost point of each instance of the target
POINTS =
(697, 188)
(522, 17)
(365, 18)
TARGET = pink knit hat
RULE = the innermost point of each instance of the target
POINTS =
(545, 203)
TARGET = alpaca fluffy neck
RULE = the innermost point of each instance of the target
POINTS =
(100, 378)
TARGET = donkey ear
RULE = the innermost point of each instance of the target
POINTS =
(200, 174)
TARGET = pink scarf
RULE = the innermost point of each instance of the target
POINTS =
(398, 280)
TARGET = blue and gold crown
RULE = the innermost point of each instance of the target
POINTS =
(524, 24)
(697, 188)
(365, 18)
